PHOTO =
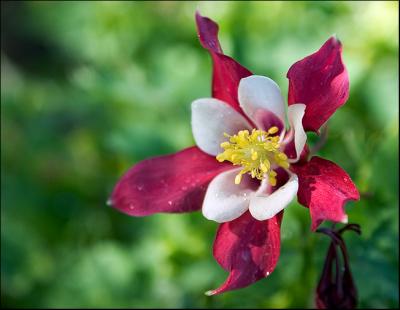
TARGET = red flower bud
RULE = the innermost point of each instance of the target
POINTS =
(336, 288)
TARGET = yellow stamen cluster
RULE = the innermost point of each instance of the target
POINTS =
(255, 152)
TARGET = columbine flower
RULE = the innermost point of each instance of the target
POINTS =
(247, 167)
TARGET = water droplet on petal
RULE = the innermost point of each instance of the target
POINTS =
(131, 206)
(170, 202)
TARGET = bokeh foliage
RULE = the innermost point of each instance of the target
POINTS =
(90, 88)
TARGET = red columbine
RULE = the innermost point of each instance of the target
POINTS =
(247, 167)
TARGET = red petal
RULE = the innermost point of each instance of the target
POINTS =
(324, 188)
(247, 248)
(321, 82)
(227, 73)
(173, 183)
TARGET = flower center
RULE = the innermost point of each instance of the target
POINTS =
(255, 152)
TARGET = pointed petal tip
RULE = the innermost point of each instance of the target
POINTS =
(315, 224)
(210, 293)
(356, 196)
(226, 71)
(334, 38)
(345, 219)
(201, 18)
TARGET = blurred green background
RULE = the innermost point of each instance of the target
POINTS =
(89, 89)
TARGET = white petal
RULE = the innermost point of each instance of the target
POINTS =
(224, 200)
(211, 118)
(263, 206)
(259, 94)
(295, 116)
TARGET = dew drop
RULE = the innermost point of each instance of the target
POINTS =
(109, 202)
(170, 202)
(140, 187)
(131, 206)
(267, 273)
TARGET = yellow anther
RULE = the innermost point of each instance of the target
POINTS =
(273, 130)
(238, 179)
(284, 164)
(256, 152)
(272, 178)
(281, 156)
(265, 166)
